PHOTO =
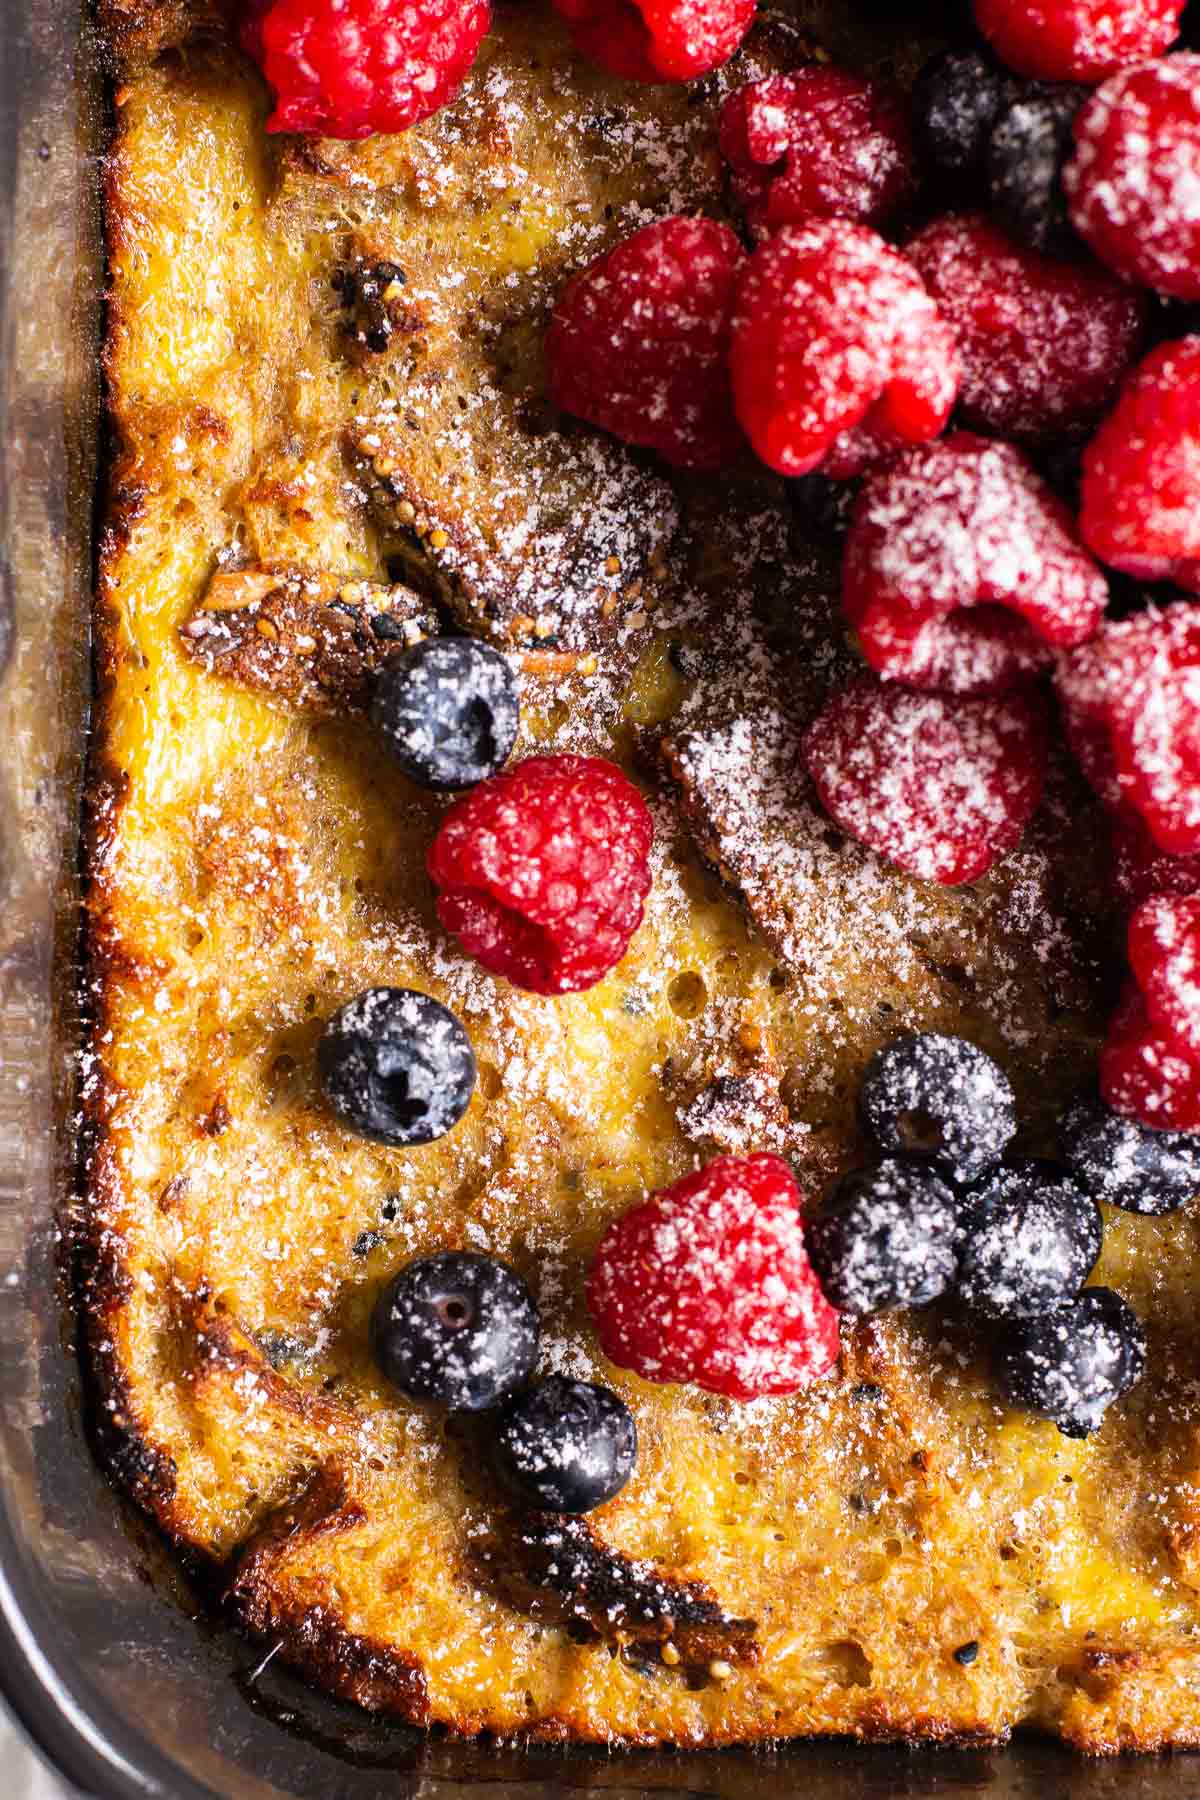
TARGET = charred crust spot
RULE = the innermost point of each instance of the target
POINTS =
(559, 1570)
(375, 306)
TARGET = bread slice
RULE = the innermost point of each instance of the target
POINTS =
(792, 1567)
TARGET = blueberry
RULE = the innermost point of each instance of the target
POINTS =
(941, 1098)
(957, 99)
(457, 1329)
(1029, 144)
(448, 711)
(1030, 1238)
(397, 1066)
(566, 1446)
(888, 1238)
(1070, 1363)
(1126, 1163)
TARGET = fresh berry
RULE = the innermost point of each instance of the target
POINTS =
(1031, 1236)
(658, 40)
(941, 786)
(1133, 184)
(1131, 706)
(1140, 870)
(957, 101)
(1044, 344)
(1073, 1362)
(888, 1237)
(1077, 40)
(1164, 955)
(639, 342)
(941, 1098)
(565, 1446)
(1140, 507)
(397, 1067)
(1146, 1075)
(835, 338)
(1127, 1164)
(544, 871)
(448, 711)
(709, 1281)
(456, 1329)
(962, 570)
(1028, 149)
(347, 68)
(816, 141)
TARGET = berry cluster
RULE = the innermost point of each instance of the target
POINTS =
(460, 1330)
(723, 1280)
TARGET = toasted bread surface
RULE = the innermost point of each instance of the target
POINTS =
(810, 1564)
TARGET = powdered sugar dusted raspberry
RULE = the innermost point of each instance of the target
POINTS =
(939, 541)
(1140, 502)
(1131, 704)
(834, 331)
(1140, 869)
(658, 40)
(1043, 343)
(709, 1281)
(942, 787)
(1164, 954)
(817, 141)
(354, 67)
(1145, 1074)
(1133, 184)
(1077, 40)
(544, 871)
(639, 342)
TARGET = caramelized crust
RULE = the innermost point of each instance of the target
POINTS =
(254, 861)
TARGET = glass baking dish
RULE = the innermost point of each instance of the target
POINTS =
(111, 1661)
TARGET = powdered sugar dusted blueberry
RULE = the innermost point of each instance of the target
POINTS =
(397, 1066)
(1029, 145)
(1071, 1364)
(940, 1098)
(887, 1238)
(1128, 1164)
(566, 1446)
(958, 97)
(1031, 1237)
(456, 1329)
(448, 711)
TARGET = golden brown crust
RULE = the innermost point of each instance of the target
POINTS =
(251, 865)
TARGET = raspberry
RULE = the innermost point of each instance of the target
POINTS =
(817, 141)
(658, 40)
(1043, 343)
(1141, 870)
(347, 68)
(709, 1281)
(639, 342)
(835, 338)
(1140, 500)
(1145, 1075)
(1077, 40)
(962, 569)
(1133, 184)
(1164, 954)
(1131, 705)
(544, 869)
(941, 787)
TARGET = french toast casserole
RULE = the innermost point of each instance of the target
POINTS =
(751, 1296)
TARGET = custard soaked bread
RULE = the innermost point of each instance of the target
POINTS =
(333, 441)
